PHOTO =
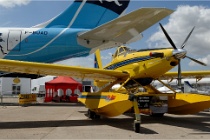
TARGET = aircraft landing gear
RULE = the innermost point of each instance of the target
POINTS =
(137, 121)
(92, 115)
(137, 126)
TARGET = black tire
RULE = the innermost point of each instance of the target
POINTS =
(157, 114)
(97, 116)
(137, 127)
(91, 114)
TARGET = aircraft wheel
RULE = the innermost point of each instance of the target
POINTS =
(157, 114)
(91, 114)
(137, 127)
(97, 116)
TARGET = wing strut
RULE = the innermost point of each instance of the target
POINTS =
(166, 86)
(123, 84)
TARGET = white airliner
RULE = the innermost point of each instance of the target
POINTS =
(189, 86)
(83, 27)
(58, 38)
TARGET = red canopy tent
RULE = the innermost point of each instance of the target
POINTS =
(62, 88)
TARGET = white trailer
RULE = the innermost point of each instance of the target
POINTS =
(15, 86)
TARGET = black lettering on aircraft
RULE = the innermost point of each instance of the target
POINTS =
(40, 32)
(37, 32)
(1, 48)
(1, 40)
(115, 1)
(117, 6)
(28, 32)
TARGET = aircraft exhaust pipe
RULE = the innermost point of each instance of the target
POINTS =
(156, 54)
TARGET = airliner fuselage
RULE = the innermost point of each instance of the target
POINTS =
(40, 45)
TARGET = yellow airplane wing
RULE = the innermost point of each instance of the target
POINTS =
(124, 29)
(59, 70)
(186, 74)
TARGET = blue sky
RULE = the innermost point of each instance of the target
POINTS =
(27, 13)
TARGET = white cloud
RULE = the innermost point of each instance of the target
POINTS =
(106, 56)
(13, 3)
(180, 24)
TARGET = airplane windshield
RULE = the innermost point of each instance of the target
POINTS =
(121, 50)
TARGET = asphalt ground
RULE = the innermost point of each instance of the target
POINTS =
(68, 121)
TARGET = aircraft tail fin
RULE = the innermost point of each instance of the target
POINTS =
(98, 62)
(187, 87)
(87, 14)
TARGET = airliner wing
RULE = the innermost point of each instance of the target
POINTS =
(124, 29)
(59, 70)
(186, 74)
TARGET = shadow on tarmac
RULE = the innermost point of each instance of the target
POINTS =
(116, 122)
(199, 123)
(53, 104)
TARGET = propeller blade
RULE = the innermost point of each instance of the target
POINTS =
(168, 37)
(199, 62)
(179, 75)
(184, 43)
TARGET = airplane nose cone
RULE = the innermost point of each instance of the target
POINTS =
(179, 53)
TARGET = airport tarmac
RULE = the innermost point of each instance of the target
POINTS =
(68, 121)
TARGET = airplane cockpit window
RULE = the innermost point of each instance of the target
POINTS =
(121, 50)
(115, 54)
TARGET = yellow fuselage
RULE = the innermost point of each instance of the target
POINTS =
(142, 65)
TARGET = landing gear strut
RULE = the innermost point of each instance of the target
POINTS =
(137, 121)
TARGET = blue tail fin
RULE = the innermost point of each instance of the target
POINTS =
(187, 87)
(87, 14)
(188, 84)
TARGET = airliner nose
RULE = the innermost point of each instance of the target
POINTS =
(179, 53)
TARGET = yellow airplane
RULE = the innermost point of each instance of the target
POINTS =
(131, 69)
